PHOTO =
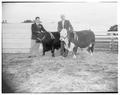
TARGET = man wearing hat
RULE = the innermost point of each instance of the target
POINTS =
(64, 24)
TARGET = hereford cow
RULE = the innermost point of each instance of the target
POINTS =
(82, 39)
(49, 42)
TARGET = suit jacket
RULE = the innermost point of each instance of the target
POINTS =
(35, 29)
(67, 26)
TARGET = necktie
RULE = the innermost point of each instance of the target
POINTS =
(63, 24)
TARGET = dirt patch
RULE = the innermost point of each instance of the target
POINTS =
(97, 73)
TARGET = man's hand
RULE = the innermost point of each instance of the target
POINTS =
(52, 36)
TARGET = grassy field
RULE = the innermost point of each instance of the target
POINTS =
(97, 73)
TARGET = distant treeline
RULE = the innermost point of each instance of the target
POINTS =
(113, 28)
(28, 21)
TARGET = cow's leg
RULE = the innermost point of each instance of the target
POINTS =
(43, 52)
(44, 48)
(52, 51)
(81, 49)
(88, 49)
(66, 53)
(74, 56)
(62, 49)
(75, 51)
(92, 48)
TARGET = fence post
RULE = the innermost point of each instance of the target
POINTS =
(112, 40)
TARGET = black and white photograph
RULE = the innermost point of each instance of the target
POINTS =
(59, 47)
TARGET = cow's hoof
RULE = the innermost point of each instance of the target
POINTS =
(53, 55)
(31, 56)
(74, 56)
(43, 55)
(63, 55)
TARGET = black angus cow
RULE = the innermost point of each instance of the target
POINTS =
(49, 41)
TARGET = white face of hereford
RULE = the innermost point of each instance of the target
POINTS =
(63, 37)
(63, 33)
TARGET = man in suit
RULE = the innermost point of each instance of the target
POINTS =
(36, 28)
(64, 24)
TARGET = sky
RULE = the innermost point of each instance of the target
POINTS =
(90, 14)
